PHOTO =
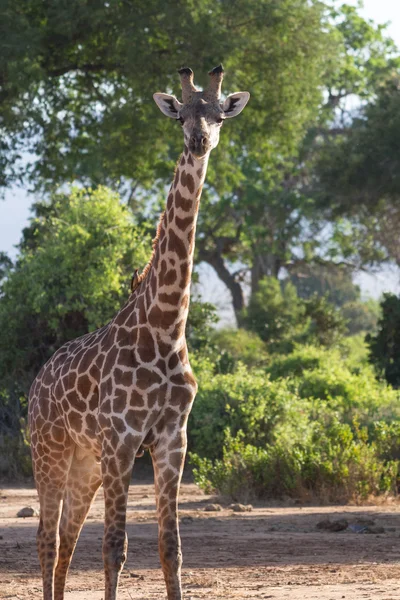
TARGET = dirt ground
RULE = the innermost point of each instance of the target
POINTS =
(271, 552)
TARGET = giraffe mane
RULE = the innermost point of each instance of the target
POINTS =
(155, 241)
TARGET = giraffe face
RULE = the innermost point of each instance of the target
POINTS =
(201, 113)
(201, 123)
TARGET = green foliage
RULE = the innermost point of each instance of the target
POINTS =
(202, 317)
(351, 353)
(314, 423)
(71, 277)
(384, 347)
(14, 447)
(77, 79)
(276, 313)
(327, 324)
(238, 345)
(280, 317)
(333, 463)
(333, 282)
(363, 166)
(361, 316)
(244, 400)
(336, 380)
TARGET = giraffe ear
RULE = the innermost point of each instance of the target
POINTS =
(168, 105)
(235, 103)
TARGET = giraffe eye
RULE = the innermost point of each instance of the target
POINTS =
(181, 121)
(220, 120)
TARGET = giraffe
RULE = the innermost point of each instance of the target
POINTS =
(105, 397)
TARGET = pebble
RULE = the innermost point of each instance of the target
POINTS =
(187, 520)
(241, 507)
(337, 525)
(212, 507)
(28, 511)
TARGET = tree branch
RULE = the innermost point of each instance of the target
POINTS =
(214, 258)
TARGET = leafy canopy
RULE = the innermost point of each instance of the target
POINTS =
(71, 277)
(77, 78)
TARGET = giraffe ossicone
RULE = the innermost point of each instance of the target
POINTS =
(105, 396)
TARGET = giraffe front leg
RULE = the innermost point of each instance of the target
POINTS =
(168, 467)
(116, 471)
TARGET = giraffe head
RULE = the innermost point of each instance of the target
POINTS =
(201, 113)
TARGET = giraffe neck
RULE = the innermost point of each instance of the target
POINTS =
(169, 273)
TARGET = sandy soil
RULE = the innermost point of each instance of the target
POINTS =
(268, 553)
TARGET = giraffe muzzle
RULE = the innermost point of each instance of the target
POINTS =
(199, 145)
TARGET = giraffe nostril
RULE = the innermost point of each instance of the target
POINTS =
(193, 140)
(204, 141)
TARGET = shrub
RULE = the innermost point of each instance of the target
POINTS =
(281, 318)
(337, 380)
(327, 324)
(361, 316)
(238, 345)
(312, 424)
(294, 364)
(333, 464)
(350, 395)
(15, 460)
(276, 314)
(245, 400)
(202, 317)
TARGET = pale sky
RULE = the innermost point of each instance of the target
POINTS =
(14, 211)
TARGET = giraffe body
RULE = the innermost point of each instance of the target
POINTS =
(104, 397)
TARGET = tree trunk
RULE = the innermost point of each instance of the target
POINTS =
(213, 258)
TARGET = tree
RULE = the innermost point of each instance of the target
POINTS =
(274, 219)
(333, 282)
(276, 314)
(76, 81)
(359, 175)
(71, 276)
(384, 347)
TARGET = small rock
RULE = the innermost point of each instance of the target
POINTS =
(186, 520)
(328, 525)
(374, 530)
(359, 528)
(28, 511)
(135, 575)
(356, 528)
(212, 507)
(241, 507)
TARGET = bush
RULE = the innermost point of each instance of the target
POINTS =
(312, 424)
(327, 324)
(71, 277)
(202, 317)
(276, 314)
(245, 400)
(15, 458)
(332, 464)
(337, 380)
(281, 318)
(238, 345)
(361, 316)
